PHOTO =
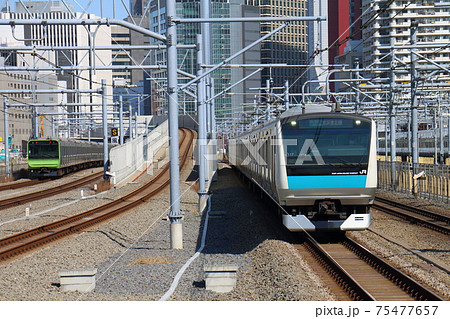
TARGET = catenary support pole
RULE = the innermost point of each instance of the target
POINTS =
(121, 119)
(414, 110)
(358, 97)
(105, 131)
(414, 102)
(136, 124)
(202, 127)
(441, 138)
(286, 95)
(6, 136)
(386, 139)
(53, 127)
(175, 216)
(130, 121)
(213, 131)
(448, 135)
(205, 12)
(393, 124)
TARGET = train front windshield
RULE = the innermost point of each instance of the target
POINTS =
(322, 146)
(43, 149)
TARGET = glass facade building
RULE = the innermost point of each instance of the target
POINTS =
(187, 59)
(286, 46)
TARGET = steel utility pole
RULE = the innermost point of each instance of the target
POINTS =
(414, 111)
(176, 230)
(105, 131)
(392, 113)
(202, 128)
(121, 130)
(6, 136)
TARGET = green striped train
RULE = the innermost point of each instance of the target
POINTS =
(57, 157)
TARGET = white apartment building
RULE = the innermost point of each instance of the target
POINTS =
(389, 24)
(60, 44)
(20, 113)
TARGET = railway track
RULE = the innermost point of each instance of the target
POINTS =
(20, 243)
(363, 276)
(22, 184)
(435, 221)
(23, 199)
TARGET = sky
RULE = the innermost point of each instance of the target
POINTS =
(108, 7)
(94, 7)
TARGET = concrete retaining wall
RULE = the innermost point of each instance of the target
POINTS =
(138, 154)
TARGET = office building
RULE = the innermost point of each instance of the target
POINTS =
(289, 46)
(227, 38)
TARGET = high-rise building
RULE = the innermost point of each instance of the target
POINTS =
(226, 39)
(388, 23)
(81, 72)
(122, 38)
(338, 27)
(317, 46)
(136, 7)
(344, 37)
(121, 56)
(290, 45)
(72, 36)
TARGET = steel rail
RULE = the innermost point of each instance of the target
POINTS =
(342, 277)
(438, 222)
(356, 290)
(408, 284)
(36, 237)
(23, 199)
(22, 184)
(420, 211)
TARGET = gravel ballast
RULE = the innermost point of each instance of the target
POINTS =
(134, 260)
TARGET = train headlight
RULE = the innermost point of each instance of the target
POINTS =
(357, 122)
(293, 123)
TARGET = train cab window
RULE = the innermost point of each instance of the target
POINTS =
(43, 149)
(332, 142)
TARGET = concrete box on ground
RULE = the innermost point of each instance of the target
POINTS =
(82, 280)
(221, 278)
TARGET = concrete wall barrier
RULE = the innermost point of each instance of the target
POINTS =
(221, 278)
(138, 154)
(82, 280)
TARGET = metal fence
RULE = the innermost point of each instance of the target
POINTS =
(434, 184)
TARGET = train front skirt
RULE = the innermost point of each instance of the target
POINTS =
(302, 223)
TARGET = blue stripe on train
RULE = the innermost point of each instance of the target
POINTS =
(329, 181)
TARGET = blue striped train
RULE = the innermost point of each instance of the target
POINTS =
(320, 167)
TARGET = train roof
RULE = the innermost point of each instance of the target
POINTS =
(64, 140)
(316, 109)
(307, 109)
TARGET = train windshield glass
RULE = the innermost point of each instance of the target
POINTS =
(43, 149)
(333, 142)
